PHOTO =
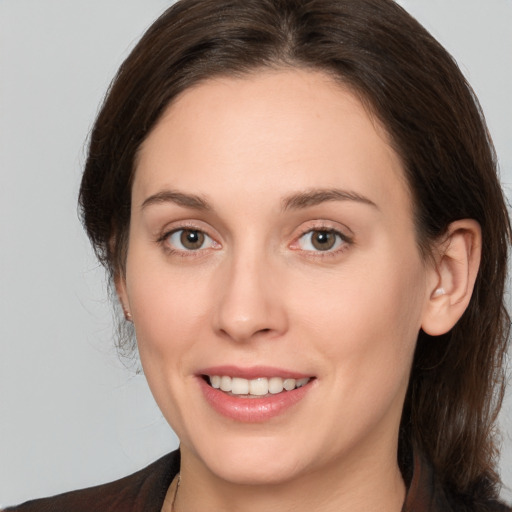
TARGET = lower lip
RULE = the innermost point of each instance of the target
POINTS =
(252, 410)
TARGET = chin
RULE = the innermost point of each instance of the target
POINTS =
(257, 461)
(248, 471)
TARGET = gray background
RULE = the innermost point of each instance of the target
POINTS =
(70, 414)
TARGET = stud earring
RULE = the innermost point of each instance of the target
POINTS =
(439, 292)
(127, 314)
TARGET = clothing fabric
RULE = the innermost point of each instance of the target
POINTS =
(145, 491)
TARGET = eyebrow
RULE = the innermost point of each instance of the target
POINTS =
(297, 201)
(171, 196)
(317, 196)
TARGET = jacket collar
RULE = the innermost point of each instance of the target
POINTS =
(425, 493)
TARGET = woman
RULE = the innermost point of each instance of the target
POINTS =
(298, 204)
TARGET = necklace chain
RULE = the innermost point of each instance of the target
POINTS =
(175, 493)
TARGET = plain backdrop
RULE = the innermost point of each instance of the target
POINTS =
(71, 415)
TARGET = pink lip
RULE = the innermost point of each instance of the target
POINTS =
(253, 372)
(251, 410)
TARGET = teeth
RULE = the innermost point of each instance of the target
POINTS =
(301, 382)
(256, 387)
(275, 385)
(215, 381)
(225, 383)
(289, 384)
(239, 386)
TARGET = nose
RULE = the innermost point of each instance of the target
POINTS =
(251, 301)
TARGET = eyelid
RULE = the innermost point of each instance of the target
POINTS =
(309, 227)
(309, 244)
(319, 226)
(208, 240)
(169, 230)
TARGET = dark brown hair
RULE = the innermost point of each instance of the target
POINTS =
(413, 86)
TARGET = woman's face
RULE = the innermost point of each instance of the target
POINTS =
(272, 245)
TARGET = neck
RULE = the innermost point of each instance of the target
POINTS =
(362, 484)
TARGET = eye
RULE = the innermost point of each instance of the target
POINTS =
(321, 240)
(190, 240)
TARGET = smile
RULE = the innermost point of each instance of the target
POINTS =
(258, 387)
(256, 394)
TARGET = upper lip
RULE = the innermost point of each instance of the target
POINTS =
(252, 372)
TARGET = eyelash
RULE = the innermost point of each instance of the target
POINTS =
(164, 241)
(341, 243)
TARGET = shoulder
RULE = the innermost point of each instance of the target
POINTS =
(468, 505)
(463, 505)
(427, 494)
(142, 491)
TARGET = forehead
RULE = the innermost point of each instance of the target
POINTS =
(267, 132)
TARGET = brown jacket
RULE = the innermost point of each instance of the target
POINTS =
(145, 491)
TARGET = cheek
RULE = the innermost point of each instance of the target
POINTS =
(365, 320)
(170, 309)
(170, 314)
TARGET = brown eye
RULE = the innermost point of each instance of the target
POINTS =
(321, 240)
(189, 240)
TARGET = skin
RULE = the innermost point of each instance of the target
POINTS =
(258, 293)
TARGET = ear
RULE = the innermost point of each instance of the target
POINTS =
(120, 284)
(457, 259)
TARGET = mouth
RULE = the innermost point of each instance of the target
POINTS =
(254, 388)
(256, 394)
(253, 395)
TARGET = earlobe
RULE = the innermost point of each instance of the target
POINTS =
(122, 296)
(127, 314)
(457, 259)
